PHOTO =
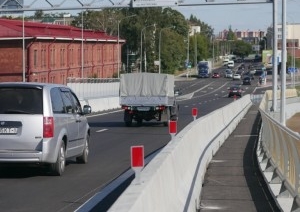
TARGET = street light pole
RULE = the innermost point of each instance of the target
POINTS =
(23, 49)
(283, 66)
(188, 48)
(275, 52)
(195, 57)
(82, 51)
(141, 54)
(213, 51)
(159, 47)
(293, 53)
(119, 21)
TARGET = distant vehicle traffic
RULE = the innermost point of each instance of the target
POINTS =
(228, 73)
(177, 92)
(230, 64)
(247, 80)
(225, 61)
(216, 75)
(204, 69)
(42, 124)
(236, 76)
(235, 90)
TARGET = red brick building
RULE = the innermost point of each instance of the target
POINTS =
(55, 52)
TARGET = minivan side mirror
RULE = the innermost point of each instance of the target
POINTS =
(87, 109)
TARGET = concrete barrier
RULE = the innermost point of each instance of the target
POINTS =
(101, 104)
(172, 181)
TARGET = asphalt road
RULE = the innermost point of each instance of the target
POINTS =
(31, 189)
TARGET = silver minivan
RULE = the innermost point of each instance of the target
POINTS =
(42, 123)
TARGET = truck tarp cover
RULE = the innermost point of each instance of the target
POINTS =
(146, 85)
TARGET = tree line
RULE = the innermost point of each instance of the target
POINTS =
(158, 32)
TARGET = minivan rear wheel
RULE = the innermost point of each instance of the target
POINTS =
(58, 167)
(85, 153)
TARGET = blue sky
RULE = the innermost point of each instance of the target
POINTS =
(242, 17)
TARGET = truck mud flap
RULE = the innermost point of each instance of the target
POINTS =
(127, 118)
(165, 116)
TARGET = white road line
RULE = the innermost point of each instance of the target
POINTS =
(101, 130)
(239, 136)
(102, 114)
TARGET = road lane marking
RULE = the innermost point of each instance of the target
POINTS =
(240, 136)
(101, 130)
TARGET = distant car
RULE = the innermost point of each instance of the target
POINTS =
(252, 71)
(42, 124)
(216, 75)
(235, 90)
(247, 80)
(230, 64)
(239, 60)
(228, 73)
(236, 77)
(248, 74)
(177, 92)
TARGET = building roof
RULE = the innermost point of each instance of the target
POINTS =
(13, 29)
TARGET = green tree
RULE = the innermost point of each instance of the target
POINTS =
(151, 21)
(230, 34)
(205, 29)
(105, 20)
(242, 48)
(172, 51)
(38, 14)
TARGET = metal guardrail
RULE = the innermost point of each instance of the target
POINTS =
(256, 98)
(278, 154)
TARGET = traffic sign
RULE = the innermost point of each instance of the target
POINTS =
(292, 69)
(154, 3)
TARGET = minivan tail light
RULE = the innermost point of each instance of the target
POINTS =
(48, 127)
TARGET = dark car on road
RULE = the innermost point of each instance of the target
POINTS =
(235, 90)
(247, 80)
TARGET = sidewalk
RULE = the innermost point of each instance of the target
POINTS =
(233, 181)
(294, 123)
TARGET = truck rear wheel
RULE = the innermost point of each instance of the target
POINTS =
(139, 121)
(128, 123)
(127, 118)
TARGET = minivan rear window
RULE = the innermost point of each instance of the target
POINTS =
(21, 100)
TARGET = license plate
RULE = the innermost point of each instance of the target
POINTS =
(143, 108)
(8, 130)
(234, 91)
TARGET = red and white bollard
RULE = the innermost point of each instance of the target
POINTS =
(137, 161)
(172, 128)
(194, 113)
(234, 97)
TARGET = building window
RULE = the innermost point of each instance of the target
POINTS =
(85, 58)
(99, 55)
(35, 55)
(43, 58)
(52, 58)
(79, 57)
(61, 58)
(71, 55)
